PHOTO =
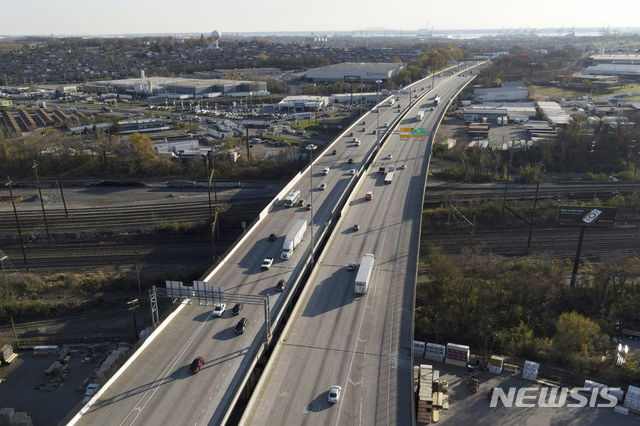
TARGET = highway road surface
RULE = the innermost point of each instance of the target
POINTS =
(362, 343)
(156, 388)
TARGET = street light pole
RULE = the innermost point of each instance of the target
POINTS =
(378, 115)
(311, 147)
(4, 273)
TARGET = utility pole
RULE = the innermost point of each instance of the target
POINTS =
(64, 203)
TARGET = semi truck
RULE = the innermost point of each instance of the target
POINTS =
(293, 238)
(291, 199)
(388, 177)
(436, 100)
(419, 115)
(364, 273)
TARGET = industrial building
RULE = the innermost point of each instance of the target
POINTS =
(500, 112)
(303, 103)
(621, 70)
(508, 91)
(355, 72)
(177, 88)
(617, 58)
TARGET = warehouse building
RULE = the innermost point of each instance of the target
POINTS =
(508, 91)
(303, 103)
(620, 70)
(177, 88)
(355, 72)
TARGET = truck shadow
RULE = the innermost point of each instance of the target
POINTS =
(339, 286)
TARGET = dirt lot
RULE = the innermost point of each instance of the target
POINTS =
(466, 408)
(25, 374)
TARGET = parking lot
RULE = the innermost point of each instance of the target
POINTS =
(21, 379)
(466, 408)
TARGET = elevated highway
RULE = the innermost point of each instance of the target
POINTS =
(154, 386)
(362, 343)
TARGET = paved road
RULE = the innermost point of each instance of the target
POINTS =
(156, 388)
(361, 343)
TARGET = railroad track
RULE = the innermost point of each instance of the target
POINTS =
(597, 243)
(123, 217)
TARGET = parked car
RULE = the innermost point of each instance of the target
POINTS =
(236, 309)
(218, 310)
(334, 394)
(282, 284)
(273, 236)
(196, 365)
(241, 326)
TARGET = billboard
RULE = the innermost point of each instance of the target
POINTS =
(586, 216)
(352, 78)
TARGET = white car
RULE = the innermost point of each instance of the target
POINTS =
(404, 166)
(352, 171)
(219, 309)
(389, 157)
(325, 171)
(334, 394)
(323, 186)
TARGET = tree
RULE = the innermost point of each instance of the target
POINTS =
(142, 151)
(575, 334)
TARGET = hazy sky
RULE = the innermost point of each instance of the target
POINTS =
(93, 17)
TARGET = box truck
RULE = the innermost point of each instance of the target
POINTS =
(364, 273)
(293, 238)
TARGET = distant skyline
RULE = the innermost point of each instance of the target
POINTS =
(76, 17)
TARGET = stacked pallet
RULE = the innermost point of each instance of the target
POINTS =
(435, 352)
(530, 370)
(495, 364)
(457, 355)
(425, 394)
(7, 355)
(632, 400)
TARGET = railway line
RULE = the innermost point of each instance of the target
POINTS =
(435, 195)
(557, 241)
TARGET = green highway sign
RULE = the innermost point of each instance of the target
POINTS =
(420, 132)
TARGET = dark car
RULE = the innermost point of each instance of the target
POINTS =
(241, 326)
(196, 365)
(236, 309)
(350, 160)
(334, 152)
(282, 284)
(273, 237)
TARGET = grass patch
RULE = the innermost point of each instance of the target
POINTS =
(549, 92)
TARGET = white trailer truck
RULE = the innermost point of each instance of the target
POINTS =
(364, 273)
(419, 115)
(293, 238)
